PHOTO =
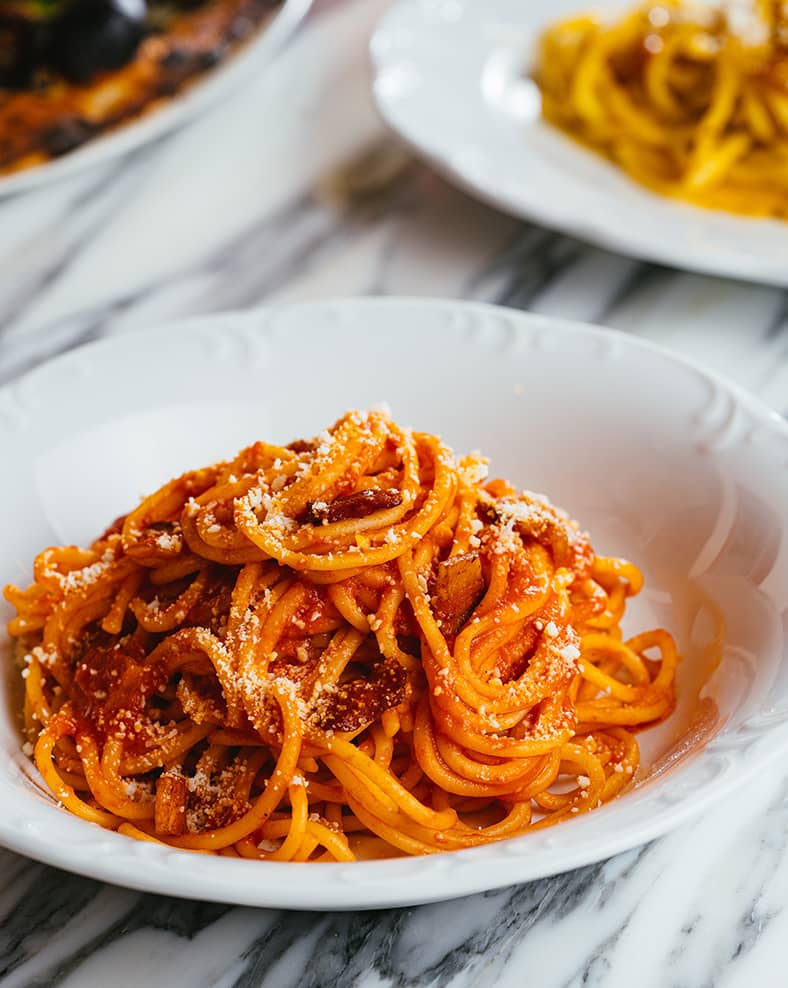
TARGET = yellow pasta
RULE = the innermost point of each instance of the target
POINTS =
(690, 100)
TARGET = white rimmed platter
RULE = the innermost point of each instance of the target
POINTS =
(216, 85)
(660, 460)
(451, 78)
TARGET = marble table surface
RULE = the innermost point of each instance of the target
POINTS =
(292, 190)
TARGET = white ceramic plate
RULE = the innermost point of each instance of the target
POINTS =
(449, 78)
(214, 86)
(661, 461)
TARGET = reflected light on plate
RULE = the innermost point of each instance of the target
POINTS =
(450, 10)
(505, 86)
(398, 81)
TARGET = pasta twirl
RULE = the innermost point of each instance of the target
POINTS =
(348, 647)
(689, 99)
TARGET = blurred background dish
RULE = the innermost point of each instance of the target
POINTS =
(690, 100)
(452, 78)
(83, 80)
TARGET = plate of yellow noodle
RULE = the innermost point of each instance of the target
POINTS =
(371, 603)
(657, 129)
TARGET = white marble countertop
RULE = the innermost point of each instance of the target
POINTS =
(293, 191)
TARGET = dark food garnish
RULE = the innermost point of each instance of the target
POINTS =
(72, 69)
(22, 45)
(358, 702)
(93, 36)
(79, 39)
(68, 133)
(457, 589)
(357, 505)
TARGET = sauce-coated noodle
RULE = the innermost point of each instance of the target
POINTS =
(353, 646)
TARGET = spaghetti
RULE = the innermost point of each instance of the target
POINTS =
(350, 647)
(689, 99)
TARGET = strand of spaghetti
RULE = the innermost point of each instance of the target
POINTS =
(298, 821)
(307, 848)
(270, 797)
(156, 619)
(333, 662)
(217, 539)
(543, 779)
(353, 443)
(596, 646)
(384, 746)
(175, 652)
(383, 624)
(244, 630)
(113, 621)
(283, 611)
(664, 642)
(384, 823)
(184, 737)
(165, 503)
(335, 844)
(392, 835)
(417, 526)
(53, 566)
(603, 712)
(500, 773)
(342, 598)
(67, 757)
(173, 570)
(60, 726)
(517, 819)
(99, 772)
(583, 797)
(431, 762)
(129, 830)
(36, 706)
(359, 787)
(229, 556)
(352, 757)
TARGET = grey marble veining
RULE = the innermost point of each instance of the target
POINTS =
(701, 907)
(292, 191)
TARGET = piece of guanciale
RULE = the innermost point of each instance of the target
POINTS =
(302, 446)
(357, 505)
(457, 589)
(353, 704)
(169, 808)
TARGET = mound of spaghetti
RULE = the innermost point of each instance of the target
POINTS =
(689, 99)
(351, 646)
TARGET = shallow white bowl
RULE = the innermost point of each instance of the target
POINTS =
(195, 99)
(661, 461)
(450, 79)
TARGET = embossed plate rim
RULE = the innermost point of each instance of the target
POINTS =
(32, 825)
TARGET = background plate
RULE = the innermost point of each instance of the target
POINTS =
(449, 79)
(660, 460)
(209, 89)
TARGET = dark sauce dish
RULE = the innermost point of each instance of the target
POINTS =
(73, 69)
(77, 39)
